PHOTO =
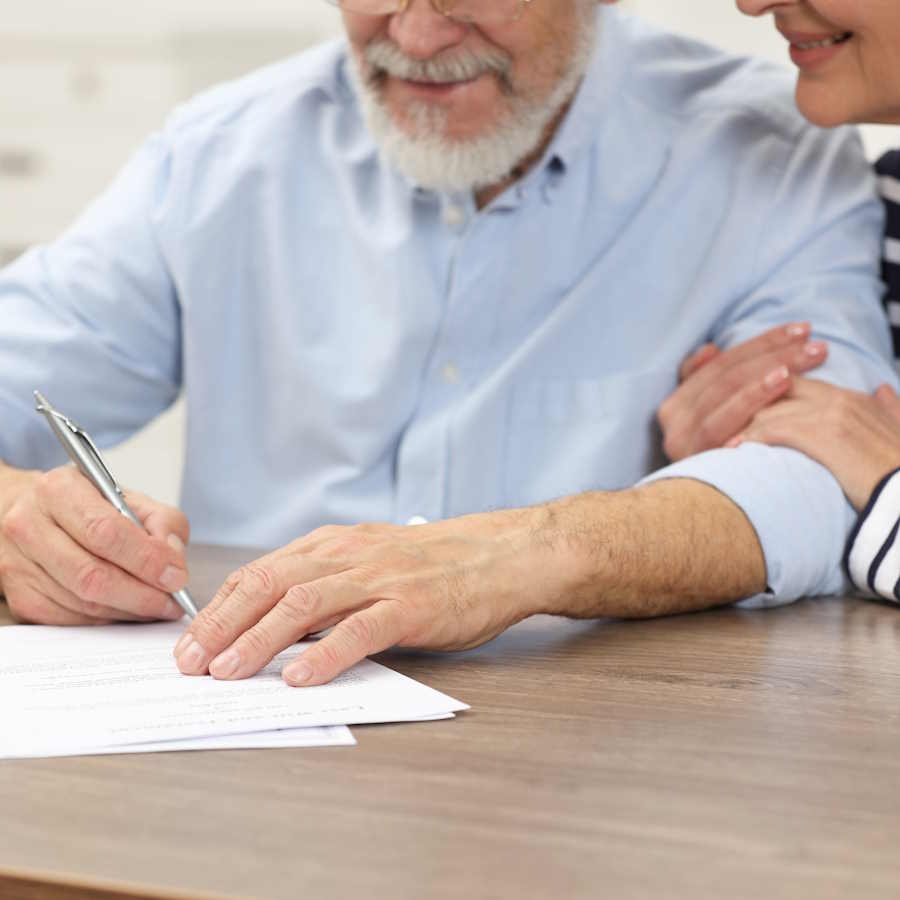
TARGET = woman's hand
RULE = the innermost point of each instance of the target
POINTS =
(856, 436)
(721, 390)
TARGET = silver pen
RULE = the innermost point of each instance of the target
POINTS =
(86, 456)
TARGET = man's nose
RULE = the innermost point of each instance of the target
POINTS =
(421, 31)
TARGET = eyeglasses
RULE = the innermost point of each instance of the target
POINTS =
(475, 12)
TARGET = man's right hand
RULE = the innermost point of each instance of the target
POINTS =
(68, 557)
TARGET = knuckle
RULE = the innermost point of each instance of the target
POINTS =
(102, 533)
(302, 602)
(325, 532)
(665, 413)
(91, 581)
(327, 655)
(254, 580)
(366, 528)
(54, 482)
(150, 560)
(213, 629)
(256, 643)
(16, 526)
(229, 585)
(358, 631)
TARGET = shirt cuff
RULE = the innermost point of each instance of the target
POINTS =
(872, 556)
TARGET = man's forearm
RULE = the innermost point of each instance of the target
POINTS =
(668, 547)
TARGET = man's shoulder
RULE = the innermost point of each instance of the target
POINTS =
(314, 78)
(689, 82)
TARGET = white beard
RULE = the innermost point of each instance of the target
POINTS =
(429, 158)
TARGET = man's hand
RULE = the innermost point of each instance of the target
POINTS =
(856, 436)
(67, 557)
(659, 549)
(449, 585)
(721, 391)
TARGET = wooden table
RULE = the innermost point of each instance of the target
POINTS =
(724, 754)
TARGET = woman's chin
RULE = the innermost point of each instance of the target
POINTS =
(828, 109)
(822, 107)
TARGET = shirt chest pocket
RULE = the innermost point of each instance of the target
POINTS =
(565, 436)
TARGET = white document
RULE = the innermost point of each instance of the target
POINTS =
(324, 736)
(99, 688)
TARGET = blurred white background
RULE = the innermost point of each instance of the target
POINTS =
(82, 82)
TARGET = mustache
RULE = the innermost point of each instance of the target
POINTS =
(386, 58)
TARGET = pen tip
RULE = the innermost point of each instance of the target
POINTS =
(40, 401)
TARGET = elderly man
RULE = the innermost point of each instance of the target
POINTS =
(442, 272)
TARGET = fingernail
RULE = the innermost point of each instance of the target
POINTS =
(183, 641)
(175, 542)
(192, 659)
(225, 664)
(173, 578)
(797, 329)
(298, 673)
(814, 348)
(173, 610)
(776, 377)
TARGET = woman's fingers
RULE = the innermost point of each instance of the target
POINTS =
(738, 411)
(725, 388)
(889, 401)
(697, 360)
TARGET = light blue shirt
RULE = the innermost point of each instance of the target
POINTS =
(354, 348)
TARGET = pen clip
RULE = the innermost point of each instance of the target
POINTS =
(43, 406)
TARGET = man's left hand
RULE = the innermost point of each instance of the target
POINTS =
(450, 585)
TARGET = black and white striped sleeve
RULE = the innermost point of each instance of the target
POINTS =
(872, 557)
(888, 171)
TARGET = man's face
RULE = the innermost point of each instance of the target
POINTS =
(446, 87)
(535, 50)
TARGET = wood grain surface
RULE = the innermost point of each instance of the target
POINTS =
(724, 754)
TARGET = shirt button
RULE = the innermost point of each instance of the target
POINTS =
(450, 373)
(417, 520)
(454, 216)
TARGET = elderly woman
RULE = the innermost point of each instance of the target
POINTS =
(848, 56)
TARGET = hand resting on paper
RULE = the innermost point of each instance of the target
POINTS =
(450, 585)
(455, 584)
(67, 557)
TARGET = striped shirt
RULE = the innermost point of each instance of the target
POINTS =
(872, 558)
